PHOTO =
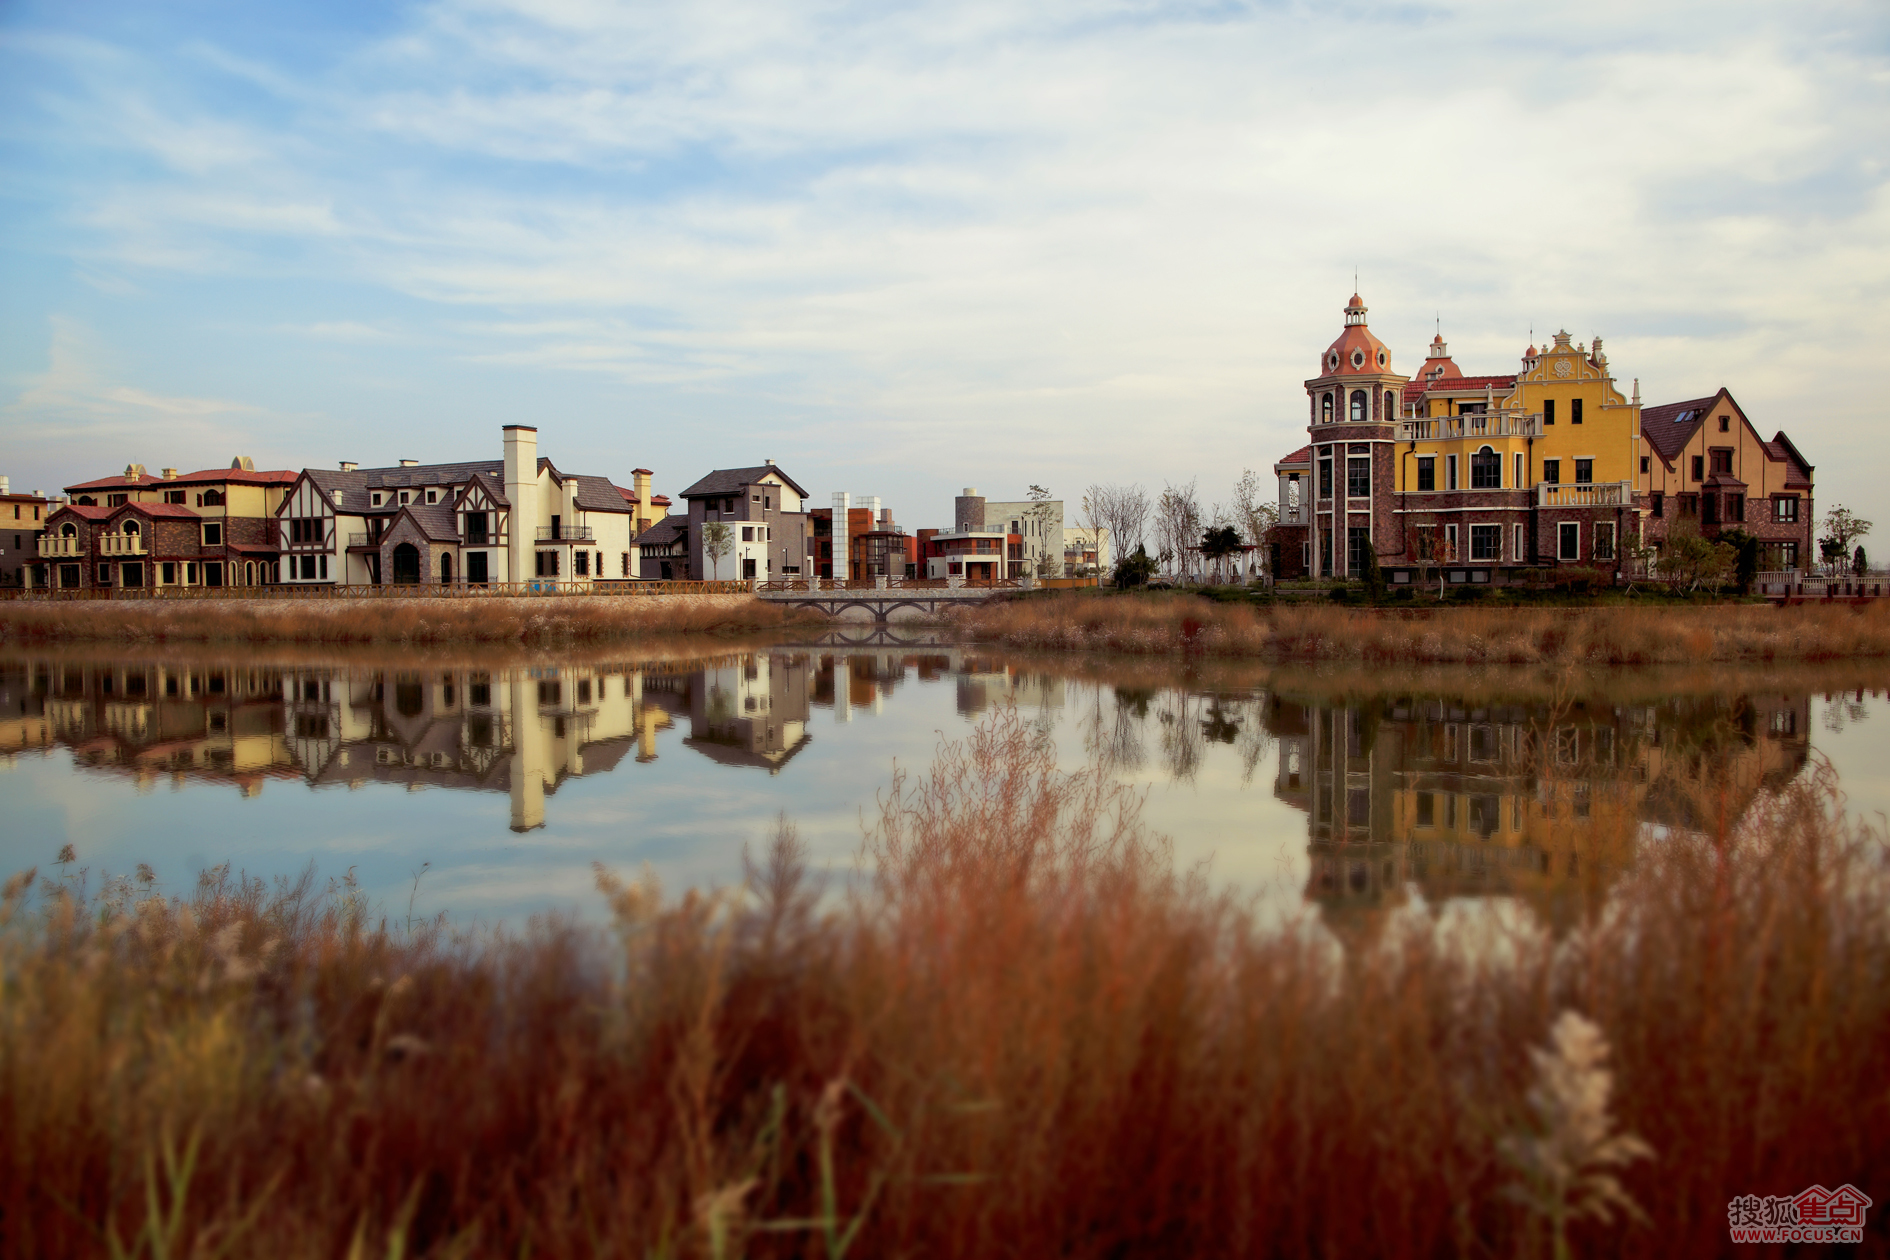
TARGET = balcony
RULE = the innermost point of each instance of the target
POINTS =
(1294, 515)
(566, 533)
(1497, 424)
(1597, 494)
(365, 540)
(121, 545)
(54, 548)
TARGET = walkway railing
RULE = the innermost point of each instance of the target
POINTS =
(1597, 494)
(428, 590)
(1800, 584)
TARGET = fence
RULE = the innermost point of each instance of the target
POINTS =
(784, 585)
(1797, 584)
(429, 590)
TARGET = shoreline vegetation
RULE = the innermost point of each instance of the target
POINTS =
(1020, 1032)
(527, 622)
(1606, 635)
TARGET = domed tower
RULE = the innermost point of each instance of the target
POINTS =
(1355, 402)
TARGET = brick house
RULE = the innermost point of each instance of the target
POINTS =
(227, 513)
(1705, 466)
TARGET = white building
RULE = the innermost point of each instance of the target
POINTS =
(516, 519)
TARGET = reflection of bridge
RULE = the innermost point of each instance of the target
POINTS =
(885, 599)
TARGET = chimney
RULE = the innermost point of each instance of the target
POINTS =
(769, 463)
(640, 481)
(170, 474)
(410, 463)
(4, 483)
(521, 490)
(348, 465)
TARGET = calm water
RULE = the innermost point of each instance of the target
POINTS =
(504, 779)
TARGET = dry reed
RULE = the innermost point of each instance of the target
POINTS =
(1608, 635)
(523, 621)
(1021, 1033)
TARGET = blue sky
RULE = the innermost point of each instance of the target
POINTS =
(903, 248)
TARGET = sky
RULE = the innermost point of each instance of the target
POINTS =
(902, 248)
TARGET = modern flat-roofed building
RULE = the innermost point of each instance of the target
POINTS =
(22, 517)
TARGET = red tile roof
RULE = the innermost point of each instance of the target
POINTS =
(86, 511)
(1301, 456)
(174, 510)
(207, 476)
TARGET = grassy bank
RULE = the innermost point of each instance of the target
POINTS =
(535, 622)
(1024, 1034)
(1159, 623)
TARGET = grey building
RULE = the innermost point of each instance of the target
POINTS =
(766, 513)
(1039, 522)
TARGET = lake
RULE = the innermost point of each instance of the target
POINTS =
(485, 786)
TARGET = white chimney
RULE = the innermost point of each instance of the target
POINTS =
(170, 474)
(770, 463)
(4, 483)
(348, 465)
(409, 463)
(521, 490)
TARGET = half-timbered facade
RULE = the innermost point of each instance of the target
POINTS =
(509, 520)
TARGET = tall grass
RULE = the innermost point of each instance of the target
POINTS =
(523, 621)
(1021, 1032)
(1180, 623)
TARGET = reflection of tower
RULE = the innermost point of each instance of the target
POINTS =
(528, 755)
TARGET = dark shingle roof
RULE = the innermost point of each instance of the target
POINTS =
(724, 481)
(668, 530)
(436, 520)
(595, 494)
(1669, 426)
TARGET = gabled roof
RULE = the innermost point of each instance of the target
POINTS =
(725, 481)
(1670, 426)
(175, 511)
(84, 511)
(435, 520)
(1781, 448)
(595, 494)
(490, 485)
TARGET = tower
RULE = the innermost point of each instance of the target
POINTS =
(1354, 405)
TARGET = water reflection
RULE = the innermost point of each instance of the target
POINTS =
(522, 731)
(1456, 799)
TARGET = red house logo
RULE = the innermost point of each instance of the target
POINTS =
(1844, 1206)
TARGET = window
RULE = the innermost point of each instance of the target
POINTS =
(1709, 509)
(478, 528)
(168, 573)
(626, 564)
(1785, 509)
(1689, 505)
(174, 496)
(1517, 552)
(1486, 542)
(1584, 472)
(1325, 408)
(377, 498)
(1358, 477)
(1325, 478)
(1604, 540)
(104, 575)
(1358, 550)
(546, 564)
(190, 575)
(1722, 461)
(433, 496)
(1657, 504)
(1391, 406)
(212, 498)
(1552, 471)
(1521, 472)
(748, 533)
(1699, 468)
(1427, 472)
(308, 567)
(1645, 465)
(1548, 411)
(1451, 551)
(117, 500)
(1782, 555)
(581, 564)
(1424, 542)
(1486, 470)
(405, 495)
(1736, 508)
(1569, 545)
(1450, 472)
(1575, 411)
(1725, 424)
(212, 534)
(1361, 406)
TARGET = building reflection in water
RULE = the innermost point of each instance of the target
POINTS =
(520, 731)
(1455, 799)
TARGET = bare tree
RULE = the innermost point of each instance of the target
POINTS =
(1254, 514)
(1178, 526)
(717, 541)
(1123, 512)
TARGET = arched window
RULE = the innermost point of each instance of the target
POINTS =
(446, 568)
(1325, 408)
(1486, 470)
(66, 530)
(212, 498)
(1361, 405)
(131, 527)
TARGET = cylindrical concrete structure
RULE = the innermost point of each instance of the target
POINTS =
(968, 510)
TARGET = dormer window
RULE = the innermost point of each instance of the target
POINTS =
(1358, 358)
(404, 496)
(377, 498)
(433, 496)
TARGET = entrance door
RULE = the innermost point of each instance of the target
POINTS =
(476, 568)
(446, 569)
(748, 568)
(406, 565)
(213, 573)
(69, 576)
(131, 575)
